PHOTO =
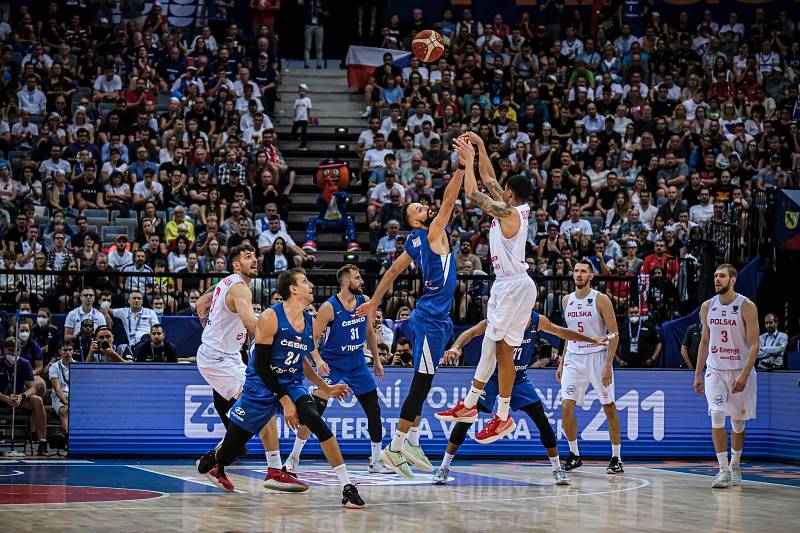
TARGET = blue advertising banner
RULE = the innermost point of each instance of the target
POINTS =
(168, 410)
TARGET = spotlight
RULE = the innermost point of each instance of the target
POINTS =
(350, 257)
(341, 147)
(341, 130)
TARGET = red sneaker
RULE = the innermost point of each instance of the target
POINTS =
(496, 429)
(217, 476)
(283, 480)
(459, 413)
(352, 247)
(310, 246)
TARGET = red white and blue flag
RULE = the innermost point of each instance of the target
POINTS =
(362, 60)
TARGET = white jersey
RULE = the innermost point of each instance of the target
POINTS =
(727, 340)
(582, 315)
(224, 331)
(508, 255)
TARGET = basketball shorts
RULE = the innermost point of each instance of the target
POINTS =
(430, 337)
(258, 405)
(582, 370)
(522, 395)
(720, 395)
(509, 309)
(358, 378)
(223, 371)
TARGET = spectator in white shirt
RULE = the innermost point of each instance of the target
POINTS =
(575, 222)
(86, 311)
(771, 344)
(108, 87)
(136, 319)
(704, 210)
(375, 157)
(120, 256)
(647, 210)
(58, 375)
(380, 194)
(32, 99)
(267, 238)
(415, 121)
(691, 104)
(423, 138)
(366, 139)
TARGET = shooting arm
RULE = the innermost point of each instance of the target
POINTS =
(398, 267)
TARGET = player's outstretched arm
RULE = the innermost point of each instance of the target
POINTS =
(567, 334)
(485, 202)
(606, 309)
(442, 218)
(750, 316)
(243, 305)
(702, 350)
(399, 266)
(488, 177)
(452, 354)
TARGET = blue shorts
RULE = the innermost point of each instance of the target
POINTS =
(358, 378)
(522, 395)
(430, 337)
(258, 405)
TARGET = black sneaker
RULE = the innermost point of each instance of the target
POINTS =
(42, 450)
(350, 497)
(573, 461)
(207, 462)
(615, 466)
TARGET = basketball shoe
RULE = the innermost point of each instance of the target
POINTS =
(723, 479)
(379, 468)
(207, 462)
(291, 463)
(459, 413)
(615, 466)
(495, 429)
(351, 498)
(417, 457)
(440, 475)
(283, 481)
(736, 475)
(573, 461)
(217, 476)
(396, 462)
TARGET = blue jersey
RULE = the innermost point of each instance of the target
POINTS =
(438, 275)
(347, 334)
(523, 355)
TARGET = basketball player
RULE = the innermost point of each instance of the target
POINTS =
(513, 292)
(342, 360)
(591, 313)
(284, 340)
(428, 247)
(728, 350)
(523, 396)
(227, 315)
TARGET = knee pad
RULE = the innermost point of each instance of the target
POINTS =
(737, 425)
(369, 402)
(459, 433)
(546, 433)
(488, 361)
(417, 394)
(310, 417)
(718, 419)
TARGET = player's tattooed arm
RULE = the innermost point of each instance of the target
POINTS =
(490, 206)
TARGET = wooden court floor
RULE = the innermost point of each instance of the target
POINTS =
(489, 496)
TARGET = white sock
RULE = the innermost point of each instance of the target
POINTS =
(573, 447)
(447, 459)
(413, 436)
(722, 458)
(555, 463)
(503, 405)
(341, 473)
(297, 448)
(398, 440)
(616, 451)
(274, 459)
(472, 397)
(736, 456)
(376, 451)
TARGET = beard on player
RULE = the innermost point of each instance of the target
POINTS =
(722, 287)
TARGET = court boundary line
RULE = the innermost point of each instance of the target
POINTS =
(707, 476)
(188, 480)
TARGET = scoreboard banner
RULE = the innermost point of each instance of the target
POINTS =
(167, 410)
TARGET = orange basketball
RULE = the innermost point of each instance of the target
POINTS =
(428, 46)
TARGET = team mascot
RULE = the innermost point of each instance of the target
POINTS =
(332, 178)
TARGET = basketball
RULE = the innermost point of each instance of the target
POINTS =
(428, 46)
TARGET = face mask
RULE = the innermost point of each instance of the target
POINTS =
(12, 358)
(24, 335)
(192, 305)
(42, 321)
(158, 311)
(105, 305)
(633, 319)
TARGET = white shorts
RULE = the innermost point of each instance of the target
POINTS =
(582, 369)
(720, 395)
(511, 301)
(223, 371)
(56, 403)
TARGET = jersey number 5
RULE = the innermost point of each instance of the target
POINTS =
(580, 327)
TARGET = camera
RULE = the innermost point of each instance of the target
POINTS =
(104, 345)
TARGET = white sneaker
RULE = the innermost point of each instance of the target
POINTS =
(560, 477)
(736, 475)
(723, 480)
(291, 463)
(367, 112)
(379, 468)
(440, 475)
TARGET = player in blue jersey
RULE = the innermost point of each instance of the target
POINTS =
(523, 396)
(274, 382)
(428, 247)
(341, 359)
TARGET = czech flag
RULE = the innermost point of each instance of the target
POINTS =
(362, 60)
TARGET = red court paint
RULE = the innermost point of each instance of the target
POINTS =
(30, 494)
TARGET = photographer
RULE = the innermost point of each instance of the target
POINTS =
(103, 350)
(156, 349)
(402, 355)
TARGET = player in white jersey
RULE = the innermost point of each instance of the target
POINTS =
(513, 293)
(728, 350)
(591, 313)
(226, 313)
